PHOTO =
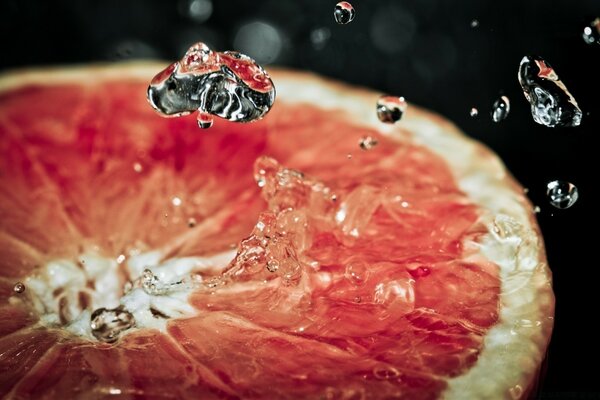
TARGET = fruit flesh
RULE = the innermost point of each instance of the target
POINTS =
(395, 311)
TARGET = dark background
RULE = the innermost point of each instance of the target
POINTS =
(425, 50)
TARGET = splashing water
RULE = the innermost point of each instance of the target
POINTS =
(367, 142)
(390, 109)
(344, 13)
(562, 194)
(551, 103)
(19, 287)
(229, 85)
(107, 325)
(591, 33)
(500, 109)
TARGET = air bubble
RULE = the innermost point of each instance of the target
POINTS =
(390, 109)
(344, 13)
(562, 194)
(500, 109)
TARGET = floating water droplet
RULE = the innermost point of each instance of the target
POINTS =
(137, 167)
(474, 112)
(107, 324)
(197, 10)
(537, 209)
(367, 142)
(562, 194)
(500, 109)
(390, 109)
(591, 33)
(229, 85)
(120, 258)
(551, 103)
(191, 222)
(474, 23)
(344, 13)
(19, 287)
(176, 201)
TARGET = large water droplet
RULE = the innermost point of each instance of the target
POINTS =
(551, 103)
(500, 109)
(390, 109)
(344, 13)
(562, 194)
(591, 33)
(229, 85)
(107, 324)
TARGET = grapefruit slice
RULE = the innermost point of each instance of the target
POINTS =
(413, 270)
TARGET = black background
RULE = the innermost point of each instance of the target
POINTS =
(424, 50)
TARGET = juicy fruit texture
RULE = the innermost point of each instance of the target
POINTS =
(354, 276)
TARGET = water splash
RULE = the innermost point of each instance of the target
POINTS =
(229, 85)
(390, 109)
(562, 194)
(551, 103)
(344, 13)
(108, 324)
(500, 109)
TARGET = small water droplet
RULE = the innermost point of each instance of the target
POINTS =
(537, 209)
(272, 265)
(319, 37)
(191, 222)
(137, 167)
(198, 11)
(474, 112)
(357, 299)
(390, 109)
(120, 258)
(500, 109)
(562, 194)
(107, 325)
(551, 103)
(367, 142)
(176, 201)
(356, 273)
(474, 23)
(19, 287)
(516, 392)
(591, 33)
(419, 272)
(344, 13)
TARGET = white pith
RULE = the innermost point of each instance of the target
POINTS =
(514, 348)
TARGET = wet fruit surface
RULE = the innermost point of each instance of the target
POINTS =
(383, 297)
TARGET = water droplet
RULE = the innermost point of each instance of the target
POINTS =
(261, 40)
(537, 209)
(176, 201)
(120, 258)
(229, 85)
(390, 109)
(344, 13)
(500, 109)
(272, 265)
(19, 287)
(474, 23)
(591, 33)
(474, 112)
(367, 142)
(107, 324)
(385, 372)
(562, 194)
(204, 120)
(356, 273)
(191, 222)
(551, 103)
(137, 167)
(516, 392)
(319, 37)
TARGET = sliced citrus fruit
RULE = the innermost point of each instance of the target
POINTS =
(278, 259)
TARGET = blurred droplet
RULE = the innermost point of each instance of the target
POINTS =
(197, 10)
(562, 194)
(500, 109)
(475, 23)
(392, 28)
(319, 37)
(130, 49)
(391, 108)
(367, 142)
(344, 13)
(591, 33)
(474, 112)
(260, 41)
